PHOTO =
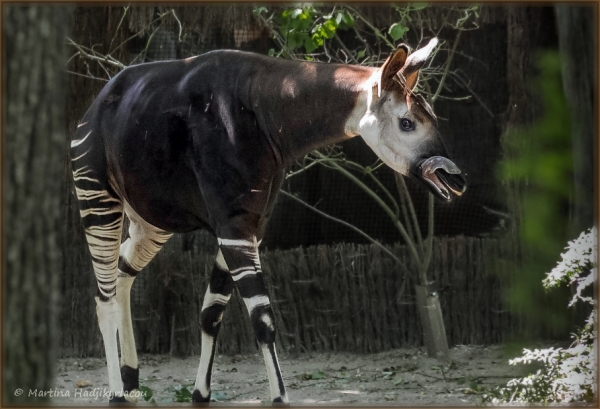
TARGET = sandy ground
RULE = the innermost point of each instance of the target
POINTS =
(398, 377)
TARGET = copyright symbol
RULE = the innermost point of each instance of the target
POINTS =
(18, 392)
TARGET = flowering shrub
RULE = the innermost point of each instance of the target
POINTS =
(568, 374)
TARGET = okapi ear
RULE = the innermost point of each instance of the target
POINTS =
(412, 80)
(392, 65)
(415, 61)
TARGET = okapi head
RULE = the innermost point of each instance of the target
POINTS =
(401, 127)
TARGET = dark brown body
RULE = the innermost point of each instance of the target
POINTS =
(191, 142)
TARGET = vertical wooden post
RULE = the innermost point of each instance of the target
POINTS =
(434, 332)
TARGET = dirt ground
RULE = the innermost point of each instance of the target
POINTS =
(398, 377)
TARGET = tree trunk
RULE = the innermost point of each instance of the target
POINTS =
(35, 144)
(434, 332)
(577, 37)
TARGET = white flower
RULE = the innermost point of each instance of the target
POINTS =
(569, 374)
(581, 253)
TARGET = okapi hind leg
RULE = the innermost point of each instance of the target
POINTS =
(215, 301)
(242, 258)
(136, 252)
(101, 212)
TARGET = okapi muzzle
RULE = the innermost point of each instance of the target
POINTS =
(441, 176)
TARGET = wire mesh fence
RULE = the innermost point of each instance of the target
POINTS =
(315, 309)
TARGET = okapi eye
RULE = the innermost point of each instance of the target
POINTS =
(407, 124)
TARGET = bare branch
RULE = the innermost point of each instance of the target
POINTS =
(125, 9)
(348, 52)
(86, 76)
(406, 200)
(448, 62)
(106, 59)
(178, 22)
(372, 27)
(381, 203)
(161, 16)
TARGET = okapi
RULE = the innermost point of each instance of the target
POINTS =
(203, 143)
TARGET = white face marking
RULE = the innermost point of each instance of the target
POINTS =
(380, 128)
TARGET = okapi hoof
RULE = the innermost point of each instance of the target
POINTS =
(280, 402)
(119, 401)
(198, 399)
(134, 396)
(130, 377)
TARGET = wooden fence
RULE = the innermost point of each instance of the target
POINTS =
(342, 297)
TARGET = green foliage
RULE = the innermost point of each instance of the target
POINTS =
(308, 28)
(147, 393)
(397, 31)
(400, 28)
(182, 394)
(539, 166)
(542, 161)
(295, 25)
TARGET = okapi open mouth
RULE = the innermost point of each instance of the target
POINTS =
(442, 177)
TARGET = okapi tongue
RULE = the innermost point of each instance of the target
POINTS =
(443, 176)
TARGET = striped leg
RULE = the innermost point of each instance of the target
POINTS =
(101, 213)
(244, 266)
(136, 252)
(217, 296)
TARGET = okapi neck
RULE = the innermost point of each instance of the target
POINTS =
(302, 106)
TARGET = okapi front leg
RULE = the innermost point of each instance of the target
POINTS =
(217, 296)
(244, 266)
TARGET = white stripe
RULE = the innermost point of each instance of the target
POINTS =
(239, 270)
(271, 363)
(109, 315)
(236, 243)
(221, 261)
(80, 141)
(211, 299)
(80, 125)
(126, 338)
(81, 156)
(208, 343)
(256, 301)
(243, 274)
